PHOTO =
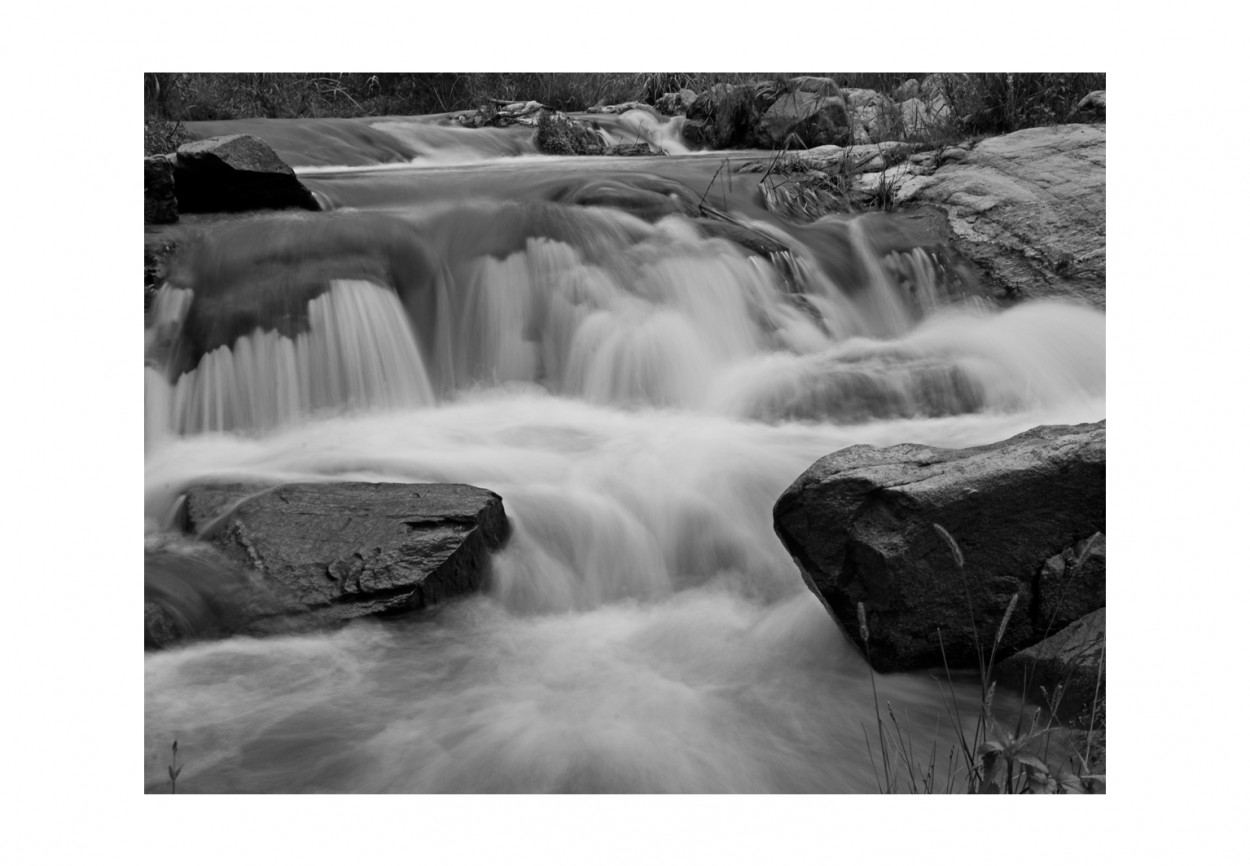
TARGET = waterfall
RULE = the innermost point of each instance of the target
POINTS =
(359, 352)
(639, 382)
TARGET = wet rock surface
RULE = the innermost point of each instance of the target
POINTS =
(860, 524)
(300, 556)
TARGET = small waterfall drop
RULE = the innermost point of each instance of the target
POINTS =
(359, 352)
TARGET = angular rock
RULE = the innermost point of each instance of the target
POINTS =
(351, 549)
(159, 203)
(1093, 106)
(909, 89)
(918, 117)
(815, 84)
(562, 135)
(619, 108)
(815, 119)
(1030, 209)
(673, 104)
(860, 525)
(856, 158)
(1070, 587)
(944, 86)
(1074, 659)
(231, 173)
(726, 115)
(874, 117)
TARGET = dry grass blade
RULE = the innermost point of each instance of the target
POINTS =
(951, 543)
(1002, 626)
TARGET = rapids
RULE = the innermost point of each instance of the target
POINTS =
(639, 389)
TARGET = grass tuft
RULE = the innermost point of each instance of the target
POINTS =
(1040, 757)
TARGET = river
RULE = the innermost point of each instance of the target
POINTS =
(637, 387)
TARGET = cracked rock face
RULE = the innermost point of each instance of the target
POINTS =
(344, 550)
(860, 525)
(1030, 208)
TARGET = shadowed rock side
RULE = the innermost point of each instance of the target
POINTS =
(1074, 658)
(860, 525)
(232, 173)
(159, 203)
(1030, 208)
(324, 553)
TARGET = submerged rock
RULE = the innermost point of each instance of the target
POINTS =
(193, 591)
(1029, 208)
(324, 553)
(231, 173)
(860, 525)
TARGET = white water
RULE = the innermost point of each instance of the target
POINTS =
(626, 389)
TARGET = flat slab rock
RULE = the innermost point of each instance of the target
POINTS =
(352, 549)
(860, 525)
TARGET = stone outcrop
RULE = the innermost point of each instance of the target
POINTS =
(874, 116)
(231, 173)
(817, 116)
(160, 205)
(618, 108)
(561, 135)
(1093, 106)
(726, 115)
(860, 525)
(1029, 208)
(301, 556)
(1074, 658)
(676, 103)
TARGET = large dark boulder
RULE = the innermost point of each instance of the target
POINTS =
(726, 115)
(159, 204)
(231, 173)
(860, 525)
(324, 553)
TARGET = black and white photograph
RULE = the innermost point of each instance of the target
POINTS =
(572, 460)
(625, 433)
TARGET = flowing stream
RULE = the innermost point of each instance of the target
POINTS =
(639, 386)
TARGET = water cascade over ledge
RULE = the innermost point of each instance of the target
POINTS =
(639, 383)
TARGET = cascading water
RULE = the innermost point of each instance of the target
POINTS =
(639, 387)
